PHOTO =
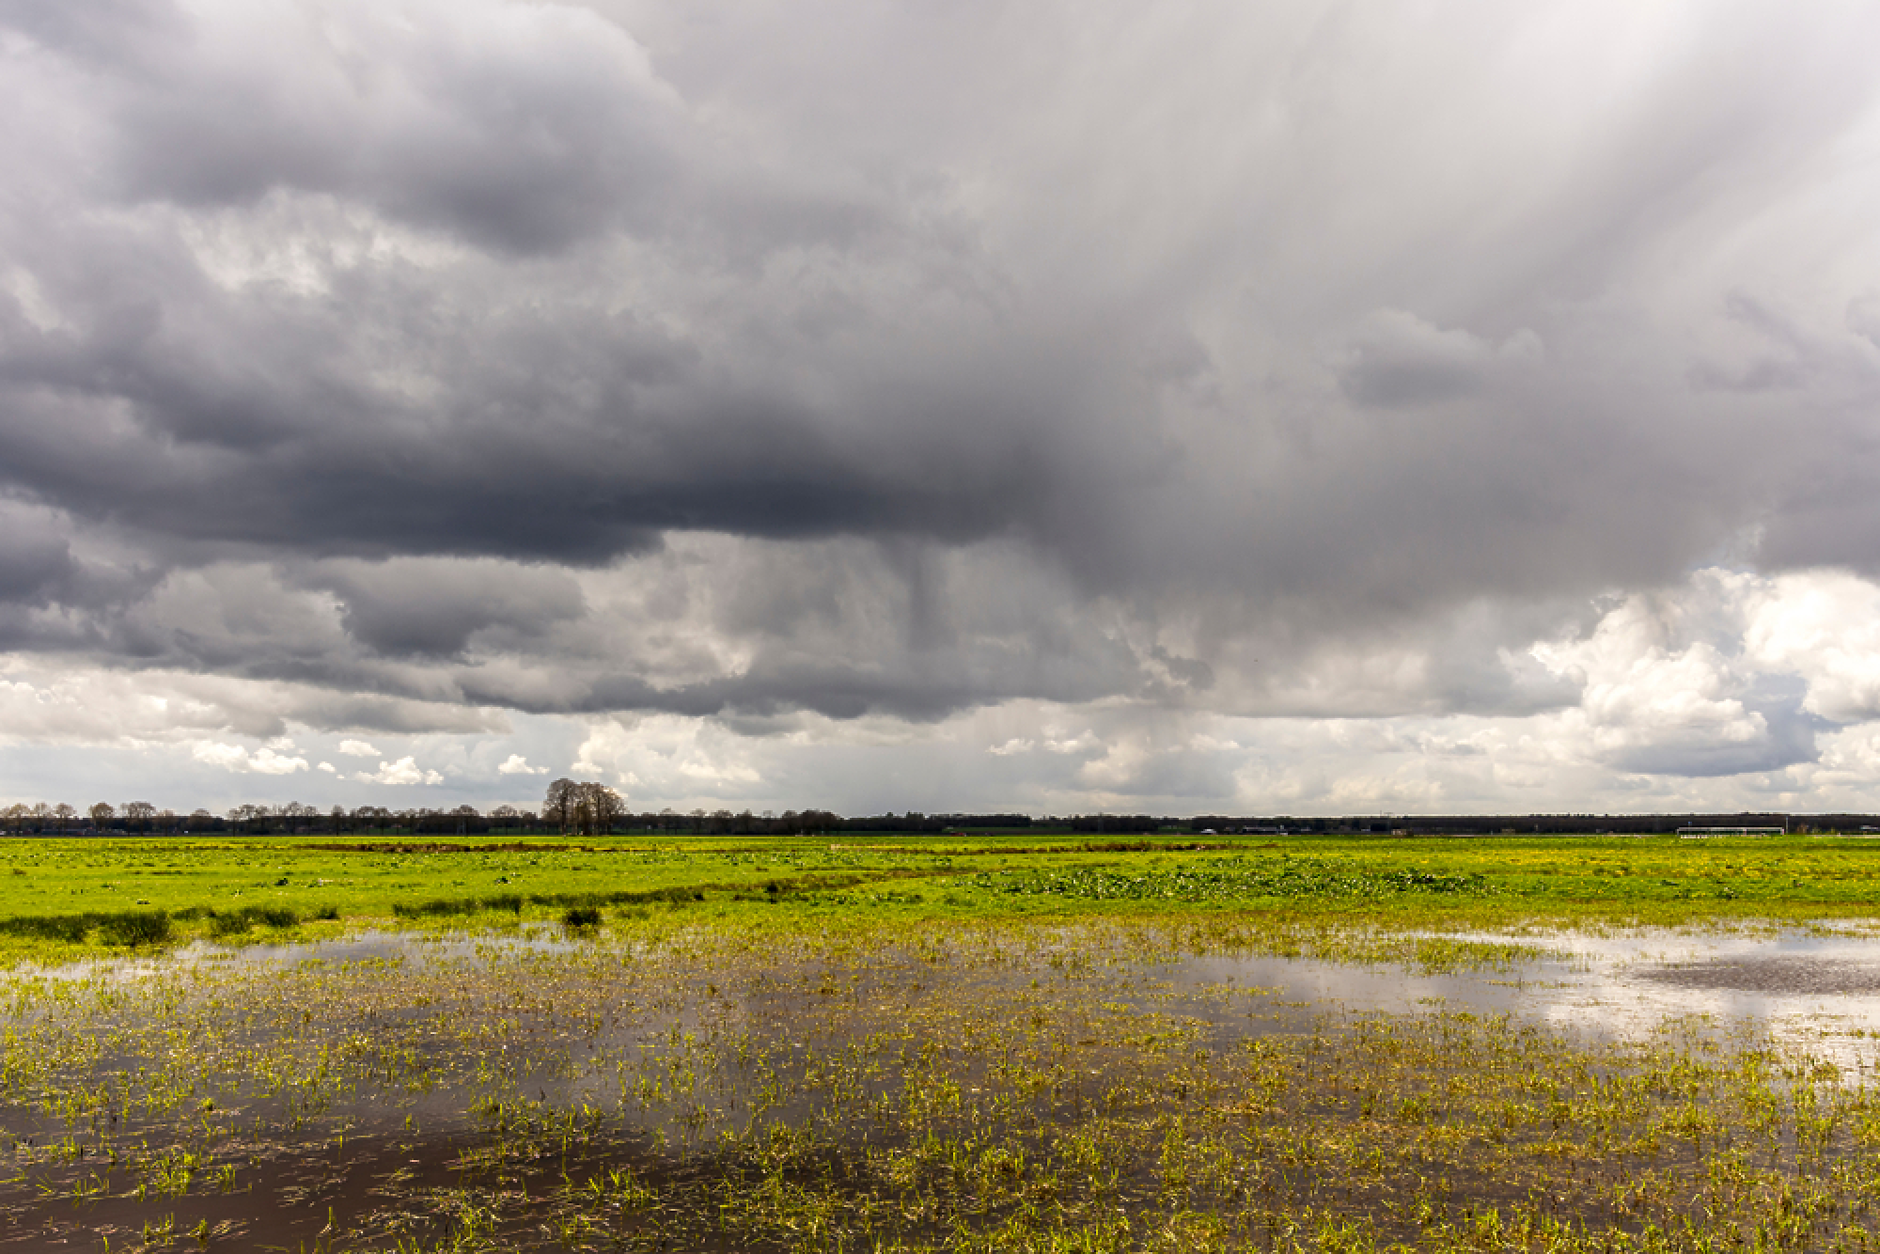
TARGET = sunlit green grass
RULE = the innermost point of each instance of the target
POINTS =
(232, 888)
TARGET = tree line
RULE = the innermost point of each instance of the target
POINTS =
(571, 807)
(587, 808)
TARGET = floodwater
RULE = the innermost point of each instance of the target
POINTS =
(625, 1015)
(415, 949)
(1817, 989)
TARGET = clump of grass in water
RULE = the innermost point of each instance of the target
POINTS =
(135, 927)
(226, 923)
(71, 929)
(514, 902)
(506, 902)
(581, 918)
(122, 927)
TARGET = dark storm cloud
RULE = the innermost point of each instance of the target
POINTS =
(547, 128)
(1397, 359)
(250, 426)
(35, 559)
(402, 607)
(842, 690)
(1202, 351)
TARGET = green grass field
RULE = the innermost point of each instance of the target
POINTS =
(72, 897)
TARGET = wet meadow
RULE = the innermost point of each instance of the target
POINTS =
(960, 1043)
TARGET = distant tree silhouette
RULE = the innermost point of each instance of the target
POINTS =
(600, 807)
(586, 807)
(558, 807)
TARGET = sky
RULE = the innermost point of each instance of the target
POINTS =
(1199, 407)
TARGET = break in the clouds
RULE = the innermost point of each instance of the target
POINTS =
(1314, 408)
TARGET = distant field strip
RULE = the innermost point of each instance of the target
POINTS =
(1236, 883)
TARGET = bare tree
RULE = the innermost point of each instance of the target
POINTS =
(559, 806)
(140, 813)
(600, 807)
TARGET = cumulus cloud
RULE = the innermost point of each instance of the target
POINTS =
(405, 771)
(1656, 701)
(1824, 628)
(665, 755)
(516, 764)
(262, 761)
(405, 368)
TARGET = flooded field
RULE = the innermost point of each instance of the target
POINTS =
(1085, 1087)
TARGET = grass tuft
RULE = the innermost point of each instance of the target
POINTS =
(581, 918)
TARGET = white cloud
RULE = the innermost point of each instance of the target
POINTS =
(672, 756)
(61, 701)
(1825, 627)
(358, 749)
(404, 772)
(262, 761)
(328, 767)
(1640, 685)
(516, 764)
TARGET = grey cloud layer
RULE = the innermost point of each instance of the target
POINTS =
(744, 360)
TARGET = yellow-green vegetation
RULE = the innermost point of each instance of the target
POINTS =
(995, 1043)
(61, 898)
